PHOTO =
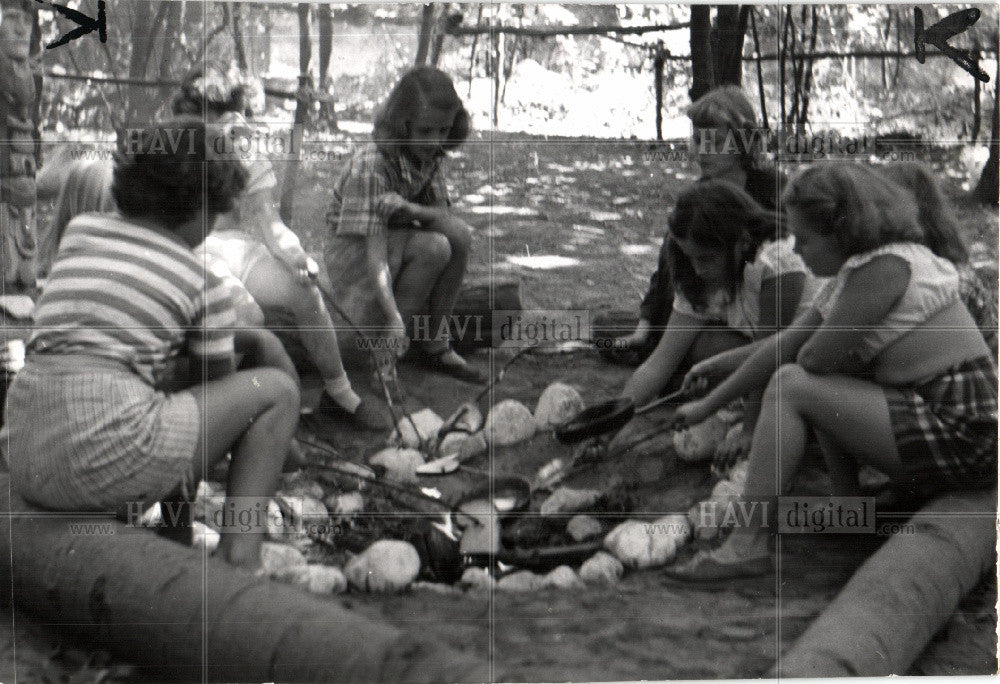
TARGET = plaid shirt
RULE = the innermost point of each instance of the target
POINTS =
(375, 184)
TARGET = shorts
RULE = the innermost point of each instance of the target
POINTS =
(92, 437)
(946, 429)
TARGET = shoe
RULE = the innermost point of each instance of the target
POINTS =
(704, 567)
(364, 417)
(439, 362)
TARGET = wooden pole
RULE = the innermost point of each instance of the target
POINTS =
(241, 52)
(178, 614)
(977, 105)
(491, 29)
(303, 101)
(472, 50)
(901, 596)
(424, 37)
(658, 63)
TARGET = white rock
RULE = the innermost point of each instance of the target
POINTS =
(699, 442)
(401, 464)
(282, 562)
(602, 567)
(639, 544)
(473, 446)
(567, 500)
(385, 566)
(306, 511)
(583, 527)
(478, 578)
(326, 579)
(558, 403)
(427, 423)
(509, 422)
(350, 503)
(562, 577)
(452, 443)
(152, 517)
(204, 537)
(523, 580)
(466, 418)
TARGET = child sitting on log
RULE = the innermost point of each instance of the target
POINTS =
(737, 281)
(86, 428)
(887, 367)
(395, 252)
(262, 252)
(726, 142)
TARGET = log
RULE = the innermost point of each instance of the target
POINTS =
(180, 615)
(477, 301)
(901, 596)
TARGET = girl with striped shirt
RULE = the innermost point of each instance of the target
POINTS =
(87, 427)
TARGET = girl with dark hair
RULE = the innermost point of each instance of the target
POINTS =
(736, 280)
(261, 252)
(727, 142)
(395, 253)
(86, 426)
(886, 367)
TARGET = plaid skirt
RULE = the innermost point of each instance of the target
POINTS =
(83, 434)
(946, 429)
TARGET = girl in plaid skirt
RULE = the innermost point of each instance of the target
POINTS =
(887, 367)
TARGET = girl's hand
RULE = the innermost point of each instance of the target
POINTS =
(398, 341)
(690, 414)
(702, 376)
(302, 265)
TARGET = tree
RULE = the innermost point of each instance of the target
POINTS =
(717, 49)
(987, 190)
(426, 31)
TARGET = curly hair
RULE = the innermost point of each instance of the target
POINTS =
(858, 206)
(936, 218)
(167, 173)
(720, 216)
(419, 89)
(728, 108)
(215, 89)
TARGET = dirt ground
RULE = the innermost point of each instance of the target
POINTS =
(602, 204)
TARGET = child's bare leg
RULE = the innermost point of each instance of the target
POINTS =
(445, 292)
(713, 340)
(273, 285)
(843, 468)
(853, 413)
(253, 414)
(425, 257)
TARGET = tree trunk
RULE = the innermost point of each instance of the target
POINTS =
(424, 38)
(498, 60)
(35, 50)
(658, 62)
(702, 69)
(303, 100)
(977, 104)
(327, 113)
(238, 47)
(760, 69)
(472, 50)
(727, 44)
(807, 84)
(987, 190)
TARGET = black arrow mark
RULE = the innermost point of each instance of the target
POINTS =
(87, 24)
(938, 35)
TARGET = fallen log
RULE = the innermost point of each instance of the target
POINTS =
(178, 614)
(901, 596)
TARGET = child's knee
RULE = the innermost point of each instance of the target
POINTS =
(433, 248)
(789, 381)
(459, 234)
(283, 391)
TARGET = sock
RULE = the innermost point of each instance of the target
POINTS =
(340, 391)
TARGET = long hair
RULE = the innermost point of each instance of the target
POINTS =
(86, 187)
(728, 108)
(859, 207)
(720, 216)
(935, 215)
(419, 89)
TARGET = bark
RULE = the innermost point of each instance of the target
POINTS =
(327, 111)
(987, 190)
(182, 616)
(902, 595)
(424, 38)
(303, 101)
(727, 44)
(760, 70)
(658, 63)
(702, 70)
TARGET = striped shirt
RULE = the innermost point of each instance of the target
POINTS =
(374, 185)
(130, 294)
